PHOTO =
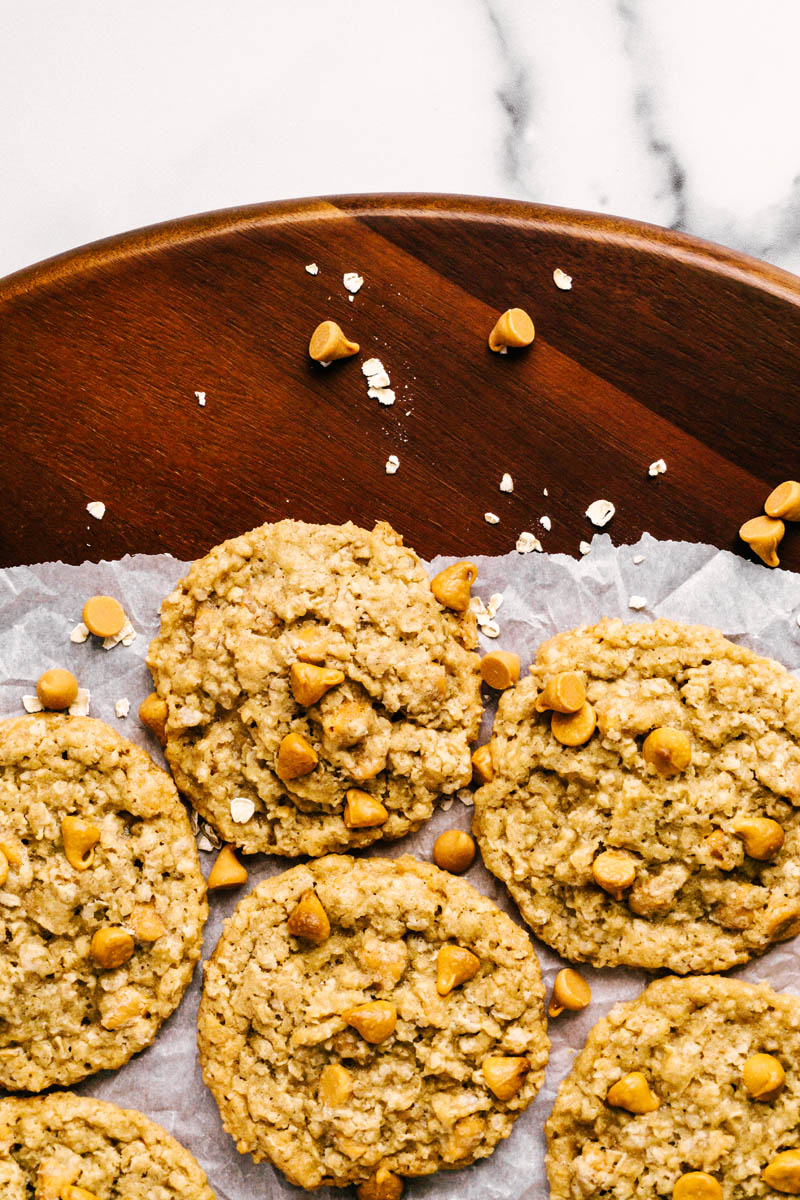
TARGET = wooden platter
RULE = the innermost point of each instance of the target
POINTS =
(665, 347)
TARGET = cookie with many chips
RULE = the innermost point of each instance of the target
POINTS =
(657, 823)
(317, 696)
(67, 1147)
(365, 1018)
(691, 1090)
(102, 902)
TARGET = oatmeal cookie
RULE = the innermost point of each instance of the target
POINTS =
(302, 663)
(102, 902)
(669, 835)
(365, 1016)
(695, 1076)
(67, 1147)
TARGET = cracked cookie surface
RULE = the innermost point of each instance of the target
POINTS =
(696, 898)
(332, 600)
(313, 1091)
(51, 1143)
(691, 1039)
(100, 864)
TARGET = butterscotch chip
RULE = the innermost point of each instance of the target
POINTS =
(513, 328)
(763, 535)
(784, 501)
(500, 669)
(710, 840)
(368, 1067)
(328, 342)
(683, 1044)
(67, 1147)
(103, 616)
(112, 831)
(232, 660)
(57, 689)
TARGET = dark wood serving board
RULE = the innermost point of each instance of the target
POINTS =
(664, 348)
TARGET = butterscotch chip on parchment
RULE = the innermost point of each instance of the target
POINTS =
(666, 832)
(102, 902)
(370, 1015)
(660, 1101)
(74, 1147)
(302, 662)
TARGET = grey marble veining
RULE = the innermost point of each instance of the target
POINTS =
(680, 112)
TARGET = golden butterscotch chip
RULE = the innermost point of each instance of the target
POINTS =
(692, 1045)
(98, 831)
(153, 715)
(454, 850)
(500, 669)
(57, 689)
(451, 587)
(328, 342)
(421, 980)
(570, 992)
(783, 1173)
(329, 636)
(103, 616)
(308, 919)
(692, 775)
(563, 693)
(3, 868)
(363, 811)
(513, 328)
(482, 769)
(227, 871)
(67, 1147)
(763, 535)
(384, 1185)
(784, 501)
(575, 728)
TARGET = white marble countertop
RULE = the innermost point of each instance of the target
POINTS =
(681, 112)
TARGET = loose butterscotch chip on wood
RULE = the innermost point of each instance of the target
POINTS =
(784, 501)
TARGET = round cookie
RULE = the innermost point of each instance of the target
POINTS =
(331, 1095)
(61, 1142)
(100, 869)
(690, 1039)
(353, 613)
(696, 886)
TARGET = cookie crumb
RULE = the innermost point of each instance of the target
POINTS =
(32, 704)
(79, 634)
(242, 809)
(637, 602)
(546, 523)
(312, 268)
(600, 512)
(201, 399)
(638, 558)
(122, 707)
(585, 547)
(526, 542)
(657, 468)
(96, 509)
(81, 706)
(353, 281)
(562, 280)
(392, 463)
(506, 483)
(491, 518)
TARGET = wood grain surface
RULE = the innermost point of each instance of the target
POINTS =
(664, 348)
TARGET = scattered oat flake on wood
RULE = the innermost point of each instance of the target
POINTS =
(657, 468)
(96, 509)
(562, 280)
(312, 268)
(546, 523)
(491, 518)
(384, 395)
(373, 366)
(526, 542)
(585, 547)
(392, 463)
(506, 483)
(201, 399)
(353, 281)
(600, 512)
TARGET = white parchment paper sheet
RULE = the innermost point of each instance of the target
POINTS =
(542, 594)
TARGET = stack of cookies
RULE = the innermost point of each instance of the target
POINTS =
(365, 1020)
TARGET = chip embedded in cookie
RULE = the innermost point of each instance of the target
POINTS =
(690, 1090)
(645, 802)
(371, 1016)
(319, 696)
(102, 902)
(67, 1147)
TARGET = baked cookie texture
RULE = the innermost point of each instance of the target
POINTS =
(71, 786)
(299, 1085)
(690, 1038)
(699, 901)
(398, 726)
(51, 1143)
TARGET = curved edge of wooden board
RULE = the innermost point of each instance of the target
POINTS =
(621, 231)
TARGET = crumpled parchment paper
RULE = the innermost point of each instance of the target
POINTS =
(542, 594)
